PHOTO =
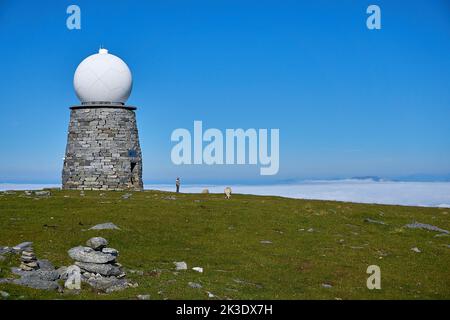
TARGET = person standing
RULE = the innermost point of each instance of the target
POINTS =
(177, 184)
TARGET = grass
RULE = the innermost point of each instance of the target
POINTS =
(313, 242)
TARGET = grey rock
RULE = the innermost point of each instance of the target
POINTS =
(22, 246)
(143, 297)
(415, 249)
(62, 272)
(266, 242)
(4, 294)
(374, 221)
(418, 225)
(180, 265)
(326, 285)
(36, 283)
(126, 196)
(2, 258)
(45, 265)
(42, 275)
(97, 243)
(6, 280)
(108, 284)
(103, 269)
(105, 226)
(5, 250)
(18, 271)
(42, 193)
(89, 255)
(112, 251)
(195, 285)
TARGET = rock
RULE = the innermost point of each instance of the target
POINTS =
(5, 250)
(89, 255)
(97, 243)
(24, 267)
(415, 249)
(42, 275)
(327, 285)
(6, 280)
(36, 283)
(112, 251)
(4, 294)
(42, 193)
(45, 265)
(126, 196)
(62, 272)
(418, 225)
(180, 265)
(73, 281)
(2, 258)
(18, 271)
(266, 242)
(210, 295)
(310, 230)
(22, 246)
(205, 191)
(374, 221)
(103, 269)
(195, 285)
(108, 284)
(143, 297)
(105, 226)
(198, 269)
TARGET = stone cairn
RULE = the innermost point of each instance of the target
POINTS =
(28, 260)
(98, 265)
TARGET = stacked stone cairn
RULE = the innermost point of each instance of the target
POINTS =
(28, 260)
(98, 265)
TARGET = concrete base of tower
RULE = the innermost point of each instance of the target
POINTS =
(103, 150)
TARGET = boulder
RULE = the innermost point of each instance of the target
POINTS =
(103, 269)
(36, 283)
(108, 284)
(89, 255)
(97, 243)
(42, 275)
(45, 265)
(73, 281)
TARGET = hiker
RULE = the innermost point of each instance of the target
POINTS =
(177, 184)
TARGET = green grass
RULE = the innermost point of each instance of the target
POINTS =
(223, 236)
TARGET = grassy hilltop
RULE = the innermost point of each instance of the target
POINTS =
(251, 247)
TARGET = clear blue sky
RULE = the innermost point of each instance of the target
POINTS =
(348, 101)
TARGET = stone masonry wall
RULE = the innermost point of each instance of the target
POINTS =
(103, 151)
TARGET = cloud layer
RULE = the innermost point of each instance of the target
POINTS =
(432, 194)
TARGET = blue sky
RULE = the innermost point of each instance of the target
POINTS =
(348, 101)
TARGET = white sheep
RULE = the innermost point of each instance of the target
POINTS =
(228, 192)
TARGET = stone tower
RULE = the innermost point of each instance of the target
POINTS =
(103, 151)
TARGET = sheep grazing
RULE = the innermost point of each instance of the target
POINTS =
(227, 192)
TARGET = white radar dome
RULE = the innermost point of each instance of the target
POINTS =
(102, 78)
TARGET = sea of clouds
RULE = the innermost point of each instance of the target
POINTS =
(430, 194)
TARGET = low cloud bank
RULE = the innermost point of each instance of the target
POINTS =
(430, 194)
